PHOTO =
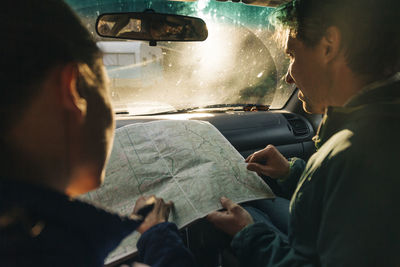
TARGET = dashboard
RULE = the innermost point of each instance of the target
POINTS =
(250, 131)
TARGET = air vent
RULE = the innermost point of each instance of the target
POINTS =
(298, 125)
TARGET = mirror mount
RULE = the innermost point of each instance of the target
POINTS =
(150, 10)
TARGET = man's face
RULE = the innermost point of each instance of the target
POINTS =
(306, 70)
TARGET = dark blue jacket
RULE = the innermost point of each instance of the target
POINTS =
(41, 227)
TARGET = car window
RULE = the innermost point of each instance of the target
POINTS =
(239, 63)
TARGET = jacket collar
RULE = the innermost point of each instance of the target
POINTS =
(362, 104)
(379, 91)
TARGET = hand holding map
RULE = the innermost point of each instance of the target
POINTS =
(187, 162)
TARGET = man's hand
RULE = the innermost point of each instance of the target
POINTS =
(231, 221)
(269, 162)
(159, 214)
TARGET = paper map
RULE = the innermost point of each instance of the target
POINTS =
(188, 162)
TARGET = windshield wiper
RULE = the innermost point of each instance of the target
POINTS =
(225, 107)
(208, 108)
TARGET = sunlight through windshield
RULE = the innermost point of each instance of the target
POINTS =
(239, 63)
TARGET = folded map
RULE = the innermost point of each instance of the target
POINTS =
(188, 162)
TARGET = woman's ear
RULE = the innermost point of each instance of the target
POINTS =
(71, 100)
(331, 42)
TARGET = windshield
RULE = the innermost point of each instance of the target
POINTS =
(239, 63)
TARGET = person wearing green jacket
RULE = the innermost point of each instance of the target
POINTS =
(344, 208)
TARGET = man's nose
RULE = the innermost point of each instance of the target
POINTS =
(289, 78)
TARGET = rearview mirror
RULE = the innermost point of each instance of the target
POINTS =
(151, 27)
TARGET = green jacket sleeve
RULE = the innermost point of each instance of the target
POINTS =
(360, 219)
(289, 183)
(347, 208)
(258, 245)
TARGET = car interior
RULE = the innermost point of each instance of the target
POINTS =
(234, 79)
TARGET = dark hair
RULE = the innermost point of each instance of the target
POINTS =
(369, 28)
(36, 36)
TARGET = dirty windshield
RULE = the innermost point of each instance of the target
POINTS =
(238, 64)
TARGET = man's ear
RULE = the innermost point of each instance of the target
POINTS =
(331, 42)
(71, 100)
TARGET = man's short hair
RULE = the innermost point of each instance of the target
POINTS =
(369, 28)
(37, 36)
